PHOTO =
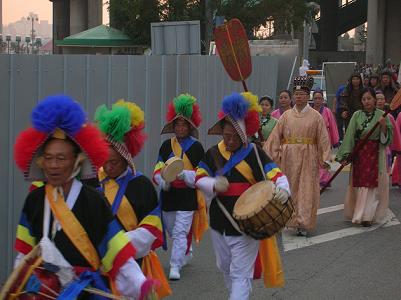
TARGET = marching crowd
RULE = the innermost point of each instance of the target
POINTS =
(100, 220)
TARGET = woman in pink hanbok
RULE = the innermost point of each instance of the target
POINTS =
(284, 103)
(331, 125)
(395, 146)
(396, 175)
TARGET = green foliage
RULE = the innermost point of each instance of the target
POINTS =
(288, 15)
(133, 17)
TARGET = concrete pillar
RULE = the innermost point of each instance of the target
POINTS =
(1, 16)
(392, 35)
(95, 13)
(61, 22)
(78, 16)
(375, 40)
(328, 25)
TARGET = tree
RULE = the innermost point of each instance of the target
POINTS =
(133, 17)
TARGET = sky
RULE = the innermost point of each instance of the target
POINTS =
(14, 10)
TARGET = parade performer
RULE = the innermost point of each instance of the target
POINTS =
(284, 102)
(367, 199)
(131, 195)
(267, 122)
(329, 120)
(229, 169)
(396, 174)
(395, 147)
(387, 84)
(72, 221)
(183, 208)
(299, 144)
(350, 98)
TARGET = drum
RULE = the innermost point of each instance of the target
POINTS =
(259, 214)
(43, 284)
(172, 167)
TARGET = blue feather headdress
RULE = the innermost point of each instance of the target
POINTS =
(236, 106)
(242, 111)
(58, 111)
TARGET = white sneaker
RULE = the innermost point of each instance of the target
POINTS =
(174, 273)
(188, 258)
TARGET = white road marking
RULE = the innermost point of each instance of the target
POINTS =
(292, 242)
(330, 209)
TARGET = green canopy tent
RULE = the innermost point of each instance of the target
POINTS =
(100, 40)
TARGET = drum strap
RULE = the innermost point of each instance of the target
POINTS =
(259, 161)
(228, 216)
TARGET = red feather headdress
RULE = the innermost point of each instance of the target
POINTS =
(183, 106)
(59, 116)
(242, 111)
(123, 125)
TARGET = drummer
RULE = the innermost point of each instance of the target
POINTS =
(69, 220)
(228, 169)
(179, 198)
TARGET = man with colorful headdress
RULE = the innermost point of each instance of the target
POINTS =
(228, 170)
(132, 196)
(72, 222)
(183, 207)
(299, 144)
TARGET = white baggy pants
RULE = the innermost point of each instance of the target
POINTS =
(178, 224)
(235, 258)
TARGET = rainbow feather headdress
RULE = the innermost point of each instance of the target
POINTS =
(183, 106)
(59, 117)
(123, 125)
(242, 111)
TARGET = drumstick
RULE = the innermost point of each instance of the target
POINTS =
(38, 293)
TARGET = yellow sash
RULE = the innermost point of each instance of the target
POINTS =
(71, 226)
(151, 267)
(125, 214)
(242, 167)
(199, 222)
(273, 275)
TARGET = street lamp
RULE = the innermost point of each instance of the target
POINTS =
(32, 17)
(18, 40)
(8, 39)
(27, 41)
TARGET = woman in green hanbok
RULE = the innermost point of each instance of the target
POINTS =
(267, 122)
(367, 196)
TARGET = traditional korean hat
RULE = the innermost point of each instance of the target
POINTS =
(183, 107)
(123, 126)
(59, 117)
(242, 111)
(303, 83)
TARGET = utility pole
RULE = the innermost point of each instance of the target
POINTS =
(208, 24)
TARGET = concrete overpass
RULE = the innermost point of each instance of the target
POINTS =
(384, 35)
(383, 17)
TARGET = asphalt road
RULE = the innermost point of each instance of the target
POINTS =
(354, 263)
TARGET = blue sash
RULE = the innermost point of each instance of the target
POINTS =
(185, 145)
(235, 159)
(87, 278)
(122, 183)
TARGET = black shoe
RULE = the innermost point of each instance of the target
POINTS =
(301, 232)
(366, 223)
